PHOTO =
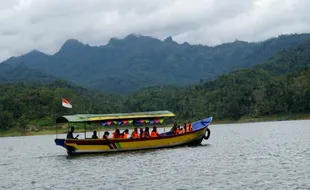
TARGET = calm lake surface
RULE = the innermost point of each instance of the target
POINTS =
(269, 155)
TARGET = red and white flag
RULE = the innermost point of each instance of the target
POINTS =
(66, 104)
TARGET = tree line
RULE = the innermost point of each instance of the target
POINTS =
(281, 85)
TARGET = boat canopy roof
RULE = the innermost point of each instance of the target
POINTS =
(77, 118)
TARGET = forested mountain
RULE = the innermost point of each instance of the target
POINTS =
(281, 85)
(129, 64)
(21, 73)
(24, 103)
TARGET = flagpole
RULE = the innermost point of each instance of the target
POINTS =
(65, 103)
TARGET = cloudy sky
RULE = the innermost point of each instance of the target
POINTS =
(45, 24)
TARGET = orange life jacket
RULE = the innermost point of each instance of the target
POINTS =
(134, 135)
(154, 134)
(183, 130)
(190, 127)
(177, 131)
(187, 128)
(142, 135)
(125, 136)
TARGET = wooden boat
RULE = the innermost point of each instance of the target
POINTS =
(166, 139)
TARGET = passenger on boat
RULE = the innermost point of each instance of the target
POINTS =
(94, 135)
(106, 135)
(134, 134)
(177, 131)
(70, 134)
(117, 134)
(190, 126)
(141, 136)
(174, 128)
(154, 132)
(184, 128)
(181, 130)
(125, 134)
(147, 132)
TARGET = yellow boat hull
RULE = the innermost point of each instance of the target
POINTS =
(78, 146)
(116, 145)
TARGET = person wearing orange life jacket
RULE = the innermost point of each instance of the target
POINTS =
(141, 136)
(154, 132)
(117, 134)
(190, 126)
(147, 132)
(174, 128)
(184, 128)
(134, 134)
(125, 134)
(177, 131)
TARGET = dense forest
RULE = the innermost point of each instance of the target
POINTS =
(280, 85)
(127, 65)
(40, 104)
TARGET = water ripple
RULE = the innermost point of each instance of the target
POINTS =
(270, 155)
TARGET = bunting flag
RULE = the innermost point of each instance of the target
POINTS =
(146, 121)
(66, 103)
(119, 122)
(125, 122)
(151, 121)
(161, 120)
(115, 122)
(103, 123)
(130, 121)
(109, 122)
(141, 121)
(156, 120)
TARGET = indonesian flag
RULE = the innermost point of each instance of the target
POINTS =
(66, 104)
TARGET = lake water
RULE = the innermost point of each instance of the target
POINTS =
(269, 155)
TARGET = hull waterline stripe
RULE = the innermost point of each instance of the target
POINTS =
(118, 145)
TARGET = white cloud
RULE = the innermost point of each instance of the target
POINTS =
(46, 24)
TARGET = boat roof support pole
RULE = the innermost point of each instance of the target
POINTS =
(85, 130)
(164, 130)
(98, 128)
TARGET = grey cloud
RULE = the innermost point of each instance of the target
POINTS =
(46, 24)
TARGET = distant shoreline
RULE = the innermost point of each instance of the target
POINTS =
(15, 132)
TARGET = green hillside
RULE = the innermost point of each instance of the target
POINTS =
(41, 104)
(135, 62)
(280, 86)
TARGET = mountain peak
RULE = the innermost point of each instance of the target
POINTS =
(71, 45)
(168, 39)
(133, 36)
(73, 42)
(35, 53)
(132, 39)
